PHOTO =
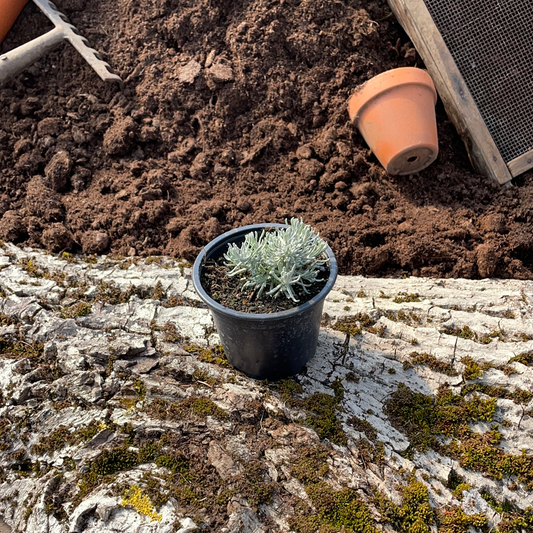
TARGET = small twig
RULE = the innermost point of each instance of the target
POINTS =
(523, 413)
(345, 348)
(454, 350)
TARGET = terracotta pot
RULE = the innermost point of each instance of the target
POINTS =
(395, 113)
(9, 11)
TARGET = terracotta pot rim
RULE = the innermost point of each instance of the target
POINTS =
(385, 82)
(9, 11)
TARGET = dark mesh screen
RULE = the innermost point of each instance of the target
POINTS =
(491, 42)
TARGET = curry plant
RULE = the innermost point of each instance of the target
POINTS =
(279, 260)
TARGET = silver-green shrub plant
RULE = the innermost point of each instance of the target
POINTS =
(279, 260)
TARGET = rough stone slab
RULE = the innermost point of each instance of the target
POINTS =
(190, 322)
(98, 363)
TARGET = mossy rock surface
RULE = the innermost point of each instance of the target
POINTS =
(116, 391)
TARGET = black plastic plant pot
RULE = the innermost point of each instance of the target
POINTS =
(264, 346)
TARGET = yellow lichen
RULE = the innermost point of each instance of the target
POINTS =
(134, 497)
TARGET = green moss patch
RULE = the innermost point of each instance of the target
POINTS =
(254, 485)
(423, 418)
(19, 349)
(406, 317)
(288, 389)
(54, 498)
(174, 462)
(335, 510)
(524, 358)
(371, 451)
(203, 407)
(188, 479)
(464, 332)
(457, 484)
(414, 515)
(68, 257)
(76, 310)
(480, 452)
(5, 433)
(104, 466)
(323, 417)
(426, 419)
(196, 405)
(6, 320)
(215, 355)
(519, 396)
(403, 297)
(330, 508)
(354, 325)
(311, 465)
(55, 441)
(472, 369)
(430, 361)
(363, 426)
(515, 520)
(200, 376)
(39, 272)
(153, 487)
(170, 333)
(109, 292)
(140, 388)
(455, 520)
(192, 482)
(322, 410)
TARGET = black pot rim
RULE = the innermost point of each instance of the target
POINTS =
(227, 237)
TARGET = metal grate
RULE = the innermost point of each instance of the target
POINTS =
(491, 41)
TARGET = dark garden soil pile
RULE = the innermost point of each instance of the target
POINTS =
(234, 112)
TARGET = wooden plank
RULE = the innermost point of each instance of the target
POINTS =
(521, 163)
(416, 20)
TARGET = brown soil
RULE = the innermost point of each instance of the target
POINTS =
(228, 291)
(234, 112)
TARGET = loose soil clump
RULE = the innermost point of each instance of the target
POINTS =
(234, 113)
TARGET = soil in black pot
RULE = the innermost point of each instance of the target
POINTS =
(228, 291)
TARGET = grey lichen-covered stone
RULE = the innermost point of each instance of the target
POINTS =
(107, 355)
(242, 518)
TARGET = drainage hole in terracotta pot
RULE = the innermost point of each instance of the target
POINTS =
(412, 159)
